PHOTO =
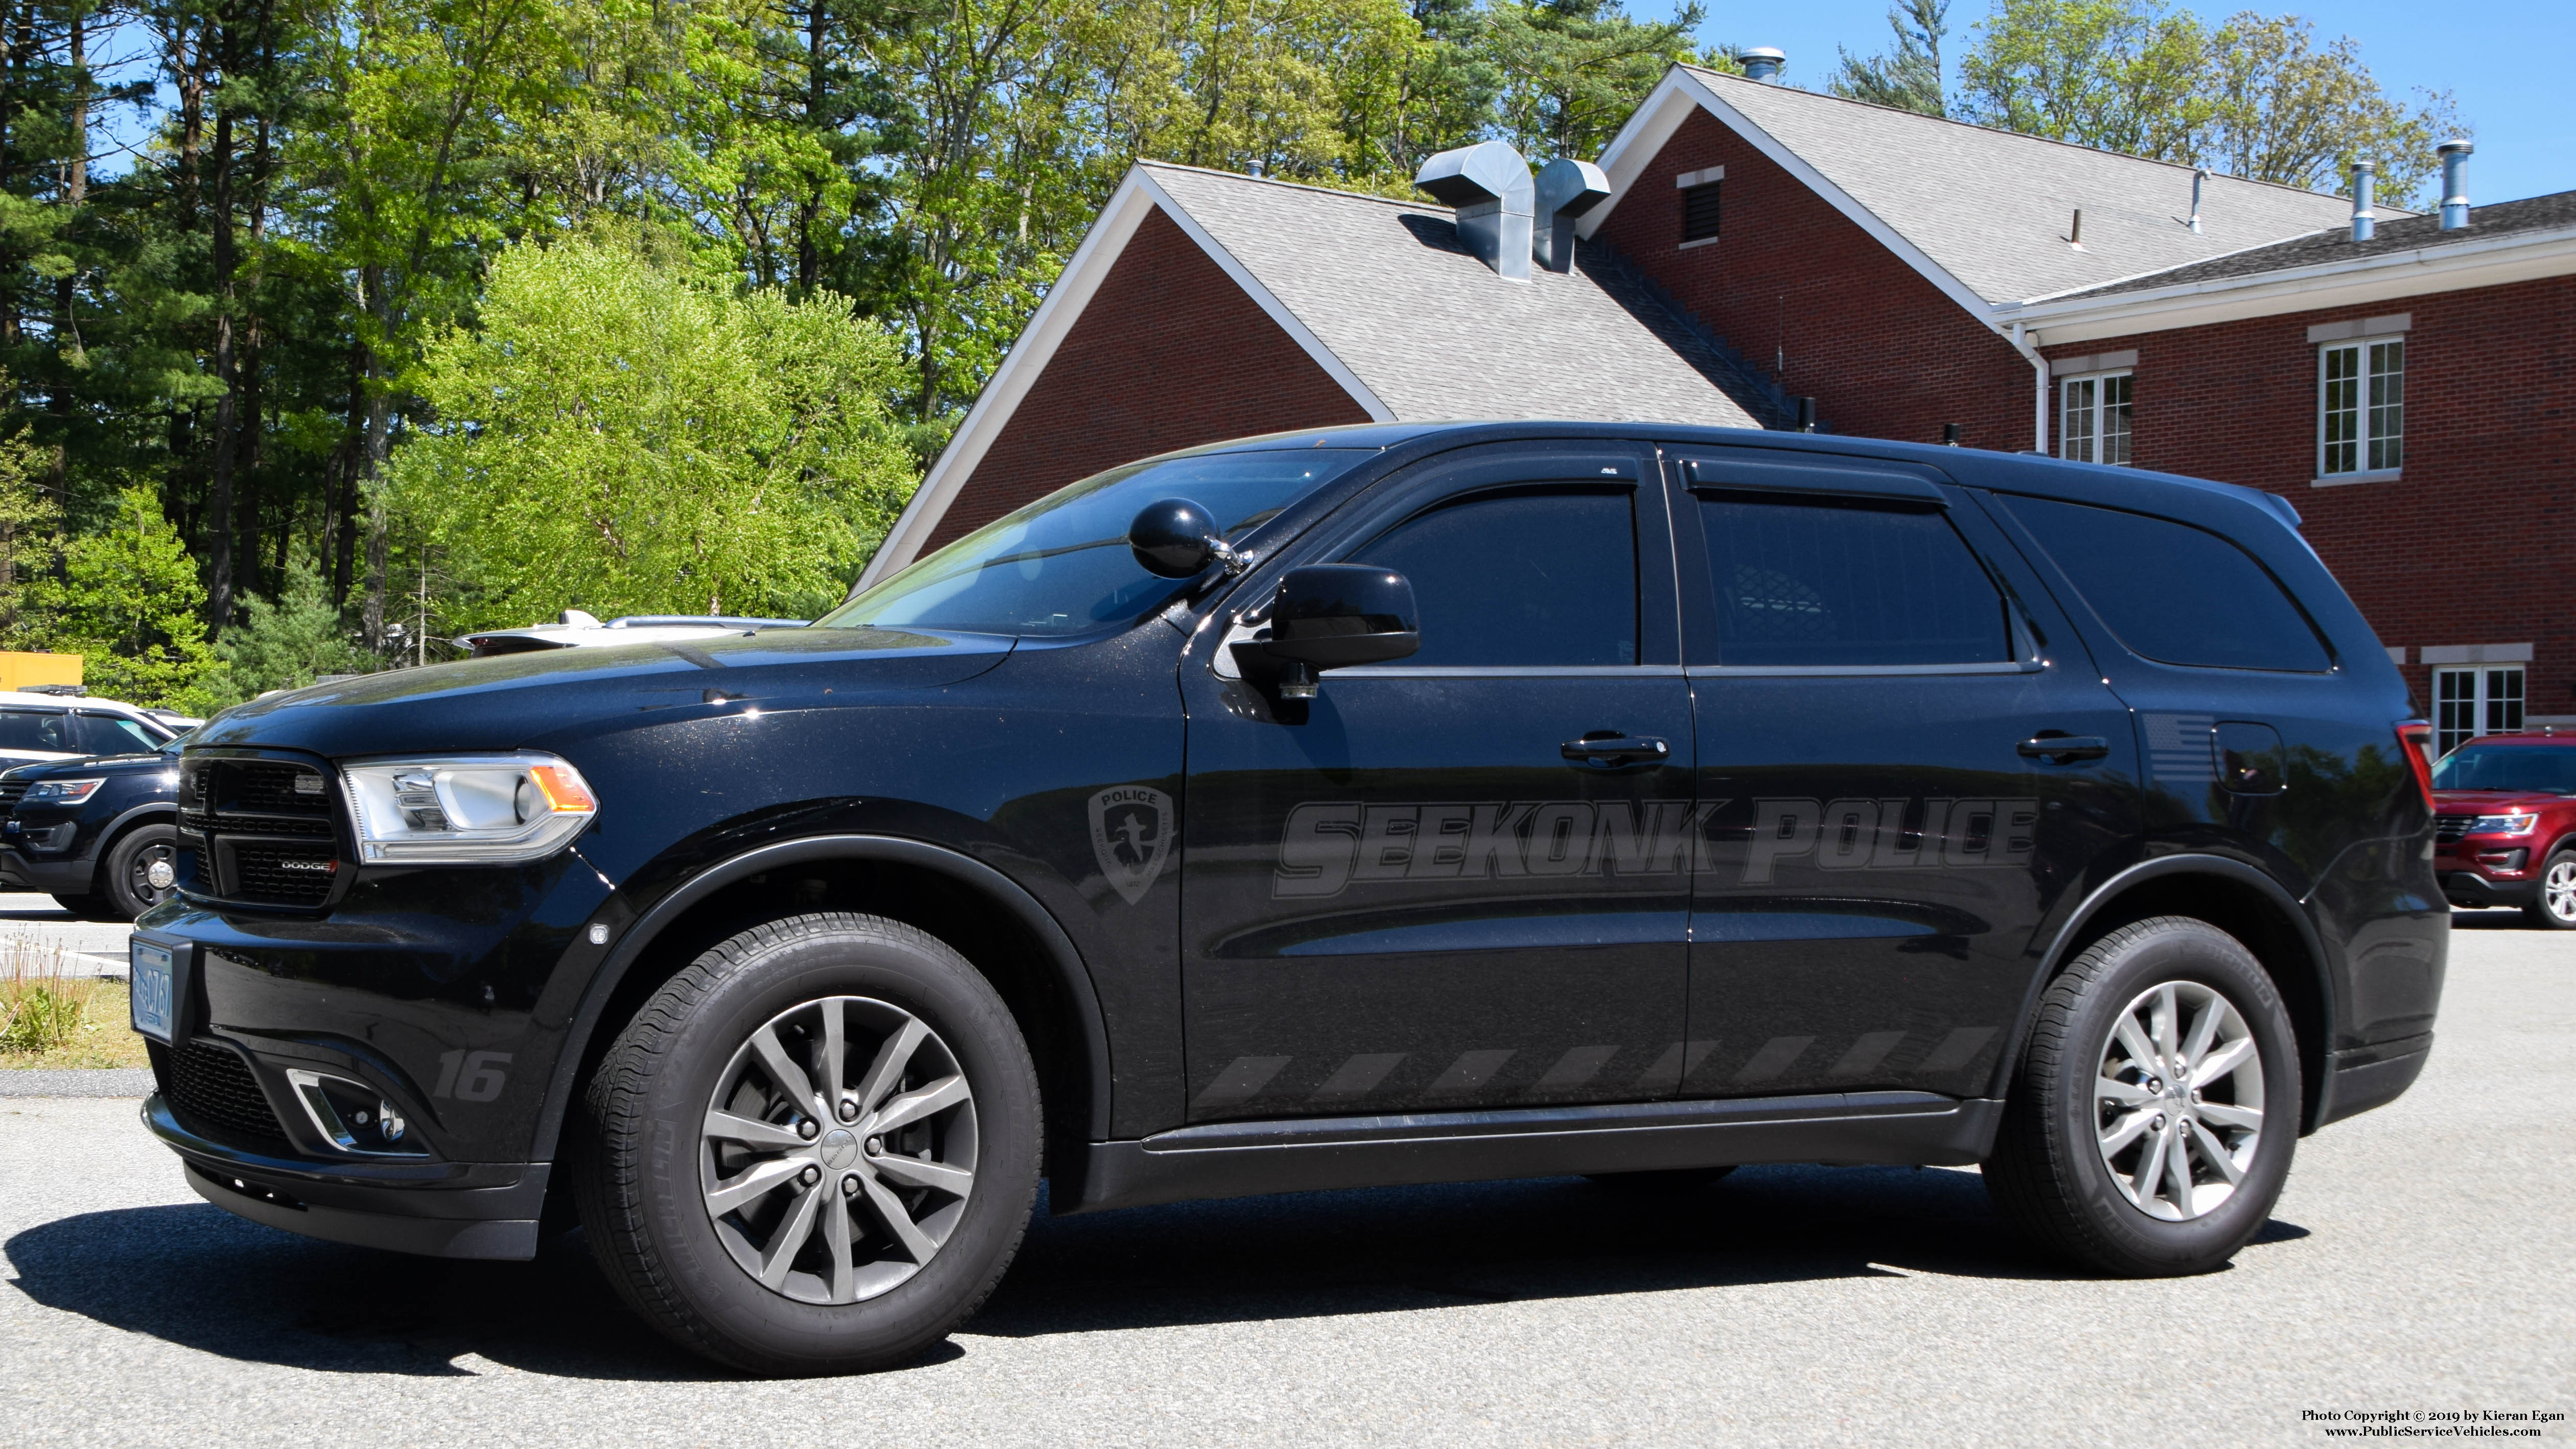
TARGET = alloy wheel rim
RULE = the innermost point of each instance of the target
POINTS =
(838, 1150)
(2558, 890)
(2178, 1101)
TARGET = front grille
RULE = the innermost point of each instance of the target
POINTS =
(11, 791)
(260, 840)
(212, 1093)
(2447, 829)
(281, 872)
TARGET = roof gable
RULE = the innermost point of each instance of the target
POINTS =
(1986, 214)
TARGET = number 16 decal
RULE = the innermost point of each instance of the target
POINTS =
(475, 1077)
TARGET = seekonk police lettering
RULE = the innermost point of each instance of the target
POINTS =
(1327, 845)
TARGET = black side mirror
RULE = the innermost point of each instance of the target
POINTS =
(1328, 616)
(1175, 538)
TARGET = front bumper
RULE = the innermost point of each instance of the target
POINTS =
(2476, 888)
(53, 877)
(437, 1209)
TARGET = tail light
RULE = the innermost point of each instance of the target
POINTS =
(2416, 738)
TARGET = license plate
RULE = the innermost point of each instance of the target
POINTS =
(152, 977)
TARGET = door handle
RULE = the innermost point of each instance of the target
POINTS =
(1609, 749)
(2058, 749)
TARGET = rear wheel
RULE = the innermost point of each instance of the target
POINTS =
(2555, 910)
(814, 1150)
(2151, 1123)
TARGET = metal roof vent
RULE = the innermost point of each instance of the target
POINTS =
(1566, 189)
(1763, 62)
(2364, 220)
(1490, 186)
(2455, 183)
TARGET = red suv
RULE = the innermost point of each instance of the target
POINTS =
(2504, 831)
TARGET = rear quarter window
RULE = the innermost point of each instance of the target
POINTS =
(2171, 592)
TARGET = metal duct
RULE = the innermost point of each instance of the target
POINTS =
(2364, 221)
(1763, 62)
(1566, 190)
(1490, 186)
(2455, 183)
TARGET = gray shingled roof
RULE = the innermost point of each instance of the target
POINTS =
(1434, 332)
(2407, 234)
(1993, 208)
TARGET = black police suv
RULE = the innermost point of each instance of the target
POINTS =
(1377, 805)
(98, 835)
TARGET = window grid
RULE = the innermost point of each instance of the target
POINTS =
(2468, 703)
(2361, 406)
(2095, 419)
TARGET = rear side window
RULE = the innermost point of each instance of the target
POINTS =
(1522, 579)
(1833, 584)
(2171, 592)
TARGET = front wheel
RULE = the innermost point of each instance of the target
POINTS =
(2150, 1126)
(141, 871)
(2555, 910)
(815, 1149)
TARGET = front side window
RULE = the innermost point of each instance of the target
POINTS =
(116, 734)
(1062, 565)
(1541, 578)
(2507, 767)
(1847, 585)
(2362, 407)
(2171, 592)
(2094, 425)
(2467, 703)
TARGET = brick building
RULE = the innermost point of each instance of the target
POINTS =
(1916, 278)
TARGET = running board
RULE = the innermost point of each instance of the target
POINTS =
(1239, 1159)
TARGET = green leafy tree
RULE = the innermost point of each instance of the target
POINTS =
(1907, 77)
(130, 604)
(1574, 69)
(632, 438)
(287, 643)
(2283, 110)
(2123, 75)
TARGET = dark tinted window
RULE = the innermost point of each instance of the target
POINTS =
(1828, 584)
(115, 734)
(36, 729)
(1520, 579)
(2172, 592)
(2507, 767)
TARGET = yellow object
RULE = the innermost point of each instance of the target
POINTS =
(18, 670)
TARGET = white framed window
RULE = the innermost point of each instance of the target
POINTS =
(2361, 407)
(2481, 699)
(2093, 418)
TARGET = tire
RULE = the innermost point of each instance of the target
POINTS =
(692, 1069)
(126, 887)
(88, 908)
(1667, 1179)
(2555, 910)
(2050, 1173)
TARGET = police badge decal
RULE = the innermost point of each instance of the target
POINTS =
(1131, 833)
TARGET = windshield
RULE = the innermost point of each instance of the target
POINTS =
(1062, 566)
(2507, 767)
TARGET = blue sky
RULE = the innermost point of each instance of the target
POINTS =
(2506, 63)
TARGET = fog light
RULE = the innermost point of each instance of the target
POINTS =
(351, 1116)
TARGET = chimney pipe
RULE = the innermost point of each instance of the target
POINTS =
(2364, 222)
(1806, 414)
(1763, 62)
(1490, 186)
(1566, 190)
(2455, 183)
(2199, 177)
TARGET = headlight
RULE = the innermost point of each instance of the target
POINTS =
(2501, 824)
(487, 810)
(60, 792)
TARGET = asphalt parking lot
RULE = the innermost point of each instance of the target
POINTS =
(2422, 1259)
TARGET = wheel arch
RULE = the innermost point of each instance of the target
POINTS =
(1051, 996)
(127, 821)
(2238, 899)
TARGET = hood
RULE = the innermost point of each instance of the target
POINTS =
(510, 700)
(2497, 802)
(94, 765)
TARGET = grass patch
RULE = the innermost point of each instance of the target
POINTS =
(51, 1020)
